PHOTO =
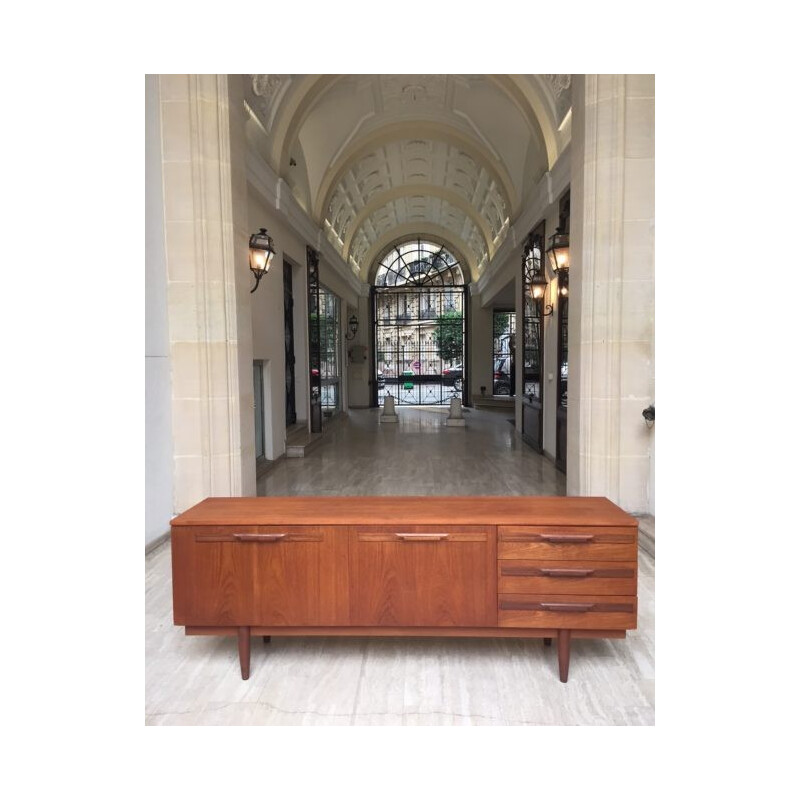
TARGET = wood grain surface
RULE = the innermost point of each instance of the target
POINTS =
(566, 611)
(567, 577)
(448, 582)
(301, 579)
(466, 510)
(563, 542)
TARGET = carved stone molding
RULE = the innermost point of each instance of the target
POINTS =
(267, 90)
(266, 86)
(404, 90)
(562, 92)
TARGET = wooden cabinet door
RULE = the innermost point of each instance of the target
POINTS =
(423, 576)
(260, 575)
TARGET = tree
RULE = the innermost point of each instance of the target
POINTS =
(502, 322)
(322, 335)
(448, 335)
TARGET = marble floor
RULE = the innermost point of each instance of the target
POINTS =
(413, 681)
(417, 455)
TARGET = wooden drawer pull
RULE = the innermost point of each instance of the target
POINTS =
(569, 607)
(566, 573)
(422, 537)
(259, 537)
(567, 538)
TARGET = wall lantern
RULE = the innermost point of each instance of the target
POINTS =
(262, 249)
(558, 251)
(352, 324)
(538, 291)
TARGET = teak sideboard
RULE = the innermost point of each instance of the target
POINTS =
(546, 567)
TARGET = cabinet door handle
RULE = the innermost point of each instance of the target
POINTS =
(568, 607)
(422, 537)
(567, 573)
(259, 537)
(566, 538)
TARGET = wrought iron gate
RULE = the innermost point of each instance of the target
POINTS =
(314, 360)
(288, 338)
(419, 313)
(532, 339)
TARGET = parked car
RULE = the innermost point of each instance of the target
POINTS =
(381, 380)
(501, 378)
(453, 376)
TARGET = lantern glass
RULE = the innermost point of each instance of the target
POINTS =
(262, 251)
(558, 252)
(538, 286)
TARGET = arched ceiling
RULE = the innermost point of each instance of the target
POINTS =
(372, 157)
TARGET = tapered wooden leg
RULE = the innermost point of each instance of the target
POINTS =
(267, 639)
(244, 651)
(547, 641)
(563, 654)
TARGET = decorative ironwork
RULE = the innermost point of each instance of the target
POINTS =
(314, 360)
(534, 286)
(533, 313)
(258, 407)
(419, 314)
(418, 263)
(504, 330)
(563, 345)
(288, 338)
(330, 351)
(563, 309)
(563, 340)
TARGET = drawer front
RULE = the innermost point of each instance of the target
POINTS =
(431, 576)
(575, 612)
(424, 536)
(260, 575)
(566, 543)
(258, 534)
(566, 577)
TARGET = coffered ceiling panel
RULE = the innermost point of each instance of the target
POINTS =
(455, 154)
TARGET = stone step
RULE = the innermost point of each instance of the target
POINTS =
(299, 441)
(492, 401)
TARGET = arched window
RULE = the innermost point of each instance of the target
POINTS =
(418, 263)
(419, 312)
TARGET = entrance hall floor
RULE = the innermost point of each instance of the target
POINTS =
(418, 455)
(413, 681)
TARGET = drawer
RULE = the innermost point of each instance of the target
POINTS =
(601, 612)
(566, 577)
(566, 543)
(259, 534)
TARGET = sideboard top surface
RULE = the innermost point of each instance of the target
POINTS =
(428, 510)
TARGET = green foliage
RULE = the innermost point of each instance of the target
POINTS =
(449, 335)
(502, 323)
(327, 332)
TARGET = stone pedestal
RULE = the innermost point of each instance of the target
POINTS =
(455, 417)
(388, 414)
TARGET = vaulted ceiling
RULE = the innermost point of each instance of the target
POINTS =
(375, 158)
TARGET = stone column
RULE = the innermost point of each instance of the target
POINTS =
(210, 332)
(612, 283)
